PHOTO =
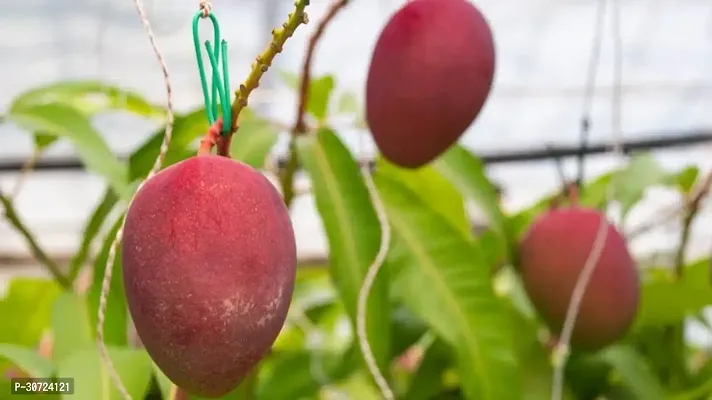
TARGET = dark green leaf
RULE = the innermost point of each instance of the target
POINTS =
(634, 372)
(352, 229)
(91, 230)
(116, 322)
(428, 378)
(67, 122)
(92, 380)
(461, 305)
(27, 360)
(44, 140)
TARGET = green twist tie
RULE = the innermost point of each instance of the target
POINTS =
(220, 86)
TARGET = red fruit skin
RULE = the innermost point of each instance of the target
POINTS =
(553, 253)
(431, 72)
(209, 263)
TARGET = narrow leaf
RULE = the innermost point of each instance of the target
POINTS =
(460, 304)
(27, 360)
(467, 173)
(67, 122)
(352, 229)
(92, 378)
(636, 375)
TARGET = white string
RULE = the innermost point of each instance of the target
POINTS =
(561, 351)
(370, 278)
(108, 270)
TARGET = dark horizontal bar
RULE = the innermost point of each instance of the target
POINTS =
(663, 141)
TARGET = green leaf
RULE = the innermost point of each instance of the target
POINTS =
(667, 299)
(348, 103)
(434, 190)
(44, 140)
(26, 309)
(92, 380)
(352, 229)
(320, 90)
(685, 179)
(427, 381)
(27, 360)
(116, 321)
(635, 179)
(289, 78)
(90, 97)
(67, 122)
(467, 173)
(634, 372)
(460, 304)
(253, 141)
(91, 230)
(70, 327)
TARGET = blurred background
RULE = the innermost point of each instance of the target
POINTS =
(543, 51)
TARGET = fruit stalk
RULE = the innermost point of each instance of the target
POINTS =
(37, 252)
(299, 128)
(264, 60)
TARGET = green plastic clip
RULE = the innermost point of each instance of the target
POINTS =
(220, 93)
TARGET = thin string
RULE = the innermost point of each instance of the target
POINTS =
(370, 278)
(562, 349)
(108, 270)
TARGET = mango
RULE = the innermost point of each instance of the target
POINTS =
(430, 74)
(209, 263)
(553, 253)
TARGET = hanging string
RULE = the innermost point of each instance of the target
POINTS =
(219, 94)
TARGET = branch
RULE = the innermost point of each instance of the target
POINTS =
(264, 60)
(37, 252)
(691, 208)
(305, 78)
(287, 178)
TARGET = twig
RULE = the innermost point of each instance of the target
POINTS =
(37, 252)
(561, 350)
(108, 269)
(691, 207)
(264, 60)
(692, 200)
(24, 173)
(287, 176)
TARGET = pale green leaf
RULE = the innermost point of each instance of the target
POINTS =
(28, 360)
(71, 328)
(352, 229)
(92, 380)
(67, 122)
(434, 190)
(635, 179)
(460, 304)
(90, 97)
(320, 90)
(253, 141)
(467, 173)
(26, 310)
